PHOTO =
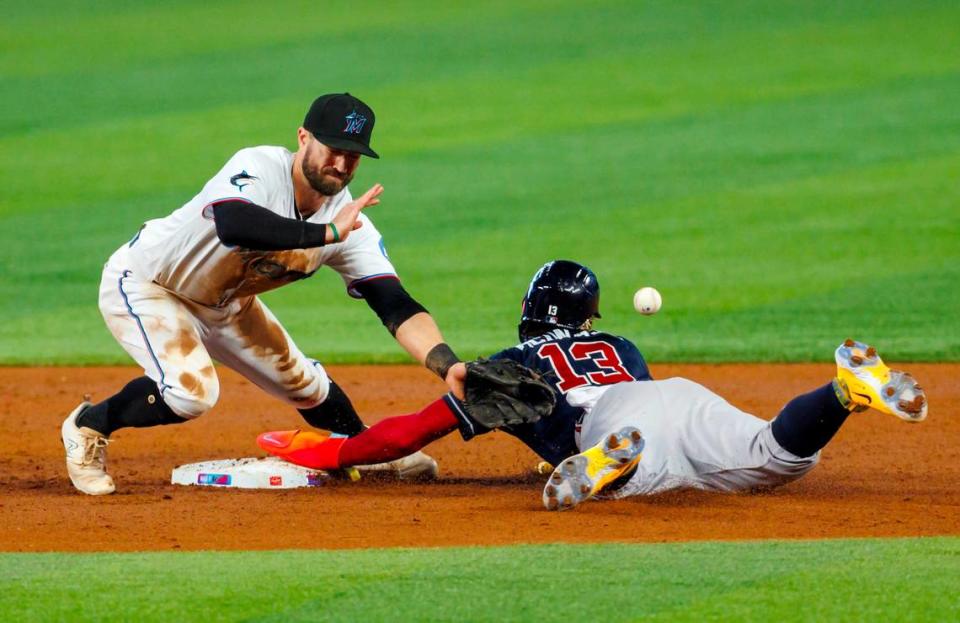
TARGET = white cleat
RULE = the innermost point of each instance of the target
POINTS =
(86, 455)
(416, 466)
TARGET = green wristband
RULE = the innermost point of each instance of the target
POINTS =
(336, 234)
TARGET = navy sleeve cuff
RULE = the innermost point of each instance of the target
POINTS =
(469, 427)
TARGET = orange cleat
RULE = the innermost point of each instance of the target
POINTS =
(301, 447)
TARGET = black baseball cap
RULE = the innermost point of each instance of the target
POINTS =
(341, 121)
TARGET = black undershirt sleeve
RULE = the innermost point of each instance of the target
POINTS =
(387, 298)
(254, 227)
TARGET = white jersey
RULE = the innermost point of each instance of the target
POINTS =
(183, 254)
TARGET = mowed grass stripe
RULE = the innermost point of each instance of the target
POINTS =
(708, 319)
(697, 294)
(700, 289)
(763, 141)
(844, 580)
(750, 163)
(638, 75)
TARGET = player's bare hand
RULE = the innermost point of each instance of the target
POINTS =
(456, 376)
(346, 221)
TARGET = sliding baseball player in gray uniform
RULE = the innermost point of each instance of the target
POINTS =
(613, 430)
(183, 291)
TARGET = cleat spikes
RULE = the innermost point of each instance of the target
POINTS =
(583, 476)
(914, 406)
(871, 384)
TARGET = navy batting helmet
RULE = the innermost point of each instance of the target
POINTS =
(562, 294)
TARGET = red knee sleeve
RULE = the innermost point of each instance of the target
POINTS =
(396, 437)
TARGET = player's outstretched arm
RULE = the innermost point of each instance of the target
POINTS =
(388, 440)
(245, 224)
(421, 337)
(414, 328)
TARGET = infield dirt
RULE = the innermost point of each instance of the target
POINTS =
(879, 477)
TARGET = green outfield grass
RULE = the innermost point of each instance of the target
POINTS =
(785, 173)
(848, 580)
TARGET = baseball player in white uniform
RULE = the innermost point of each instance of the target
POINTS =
(614, 431)
(183, 291)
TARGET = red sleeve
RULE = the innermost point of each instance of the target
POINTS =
(396, 437)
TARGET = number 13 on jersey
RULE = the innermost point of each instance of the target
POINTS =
(570, 364)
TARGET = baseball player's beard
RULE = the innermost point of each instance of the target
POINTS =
(325, 181)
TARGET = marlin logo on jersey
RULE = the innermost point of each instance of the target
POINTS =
(242, 179)
(355, 123)
(274, 270)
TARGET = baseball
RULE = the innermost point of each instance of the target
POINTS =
(647, 301)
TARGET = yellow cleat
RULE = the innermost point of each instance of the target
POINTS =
(583, 475)
(870, 383)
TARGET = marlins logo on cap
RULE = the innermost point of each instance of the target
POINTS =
(355, 123)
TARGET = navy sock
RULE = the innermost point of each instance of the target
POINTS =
(138, 404)
(809, 421)
(335, 414)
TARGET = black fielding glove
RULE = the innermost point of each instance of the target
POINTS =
(503, 393)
